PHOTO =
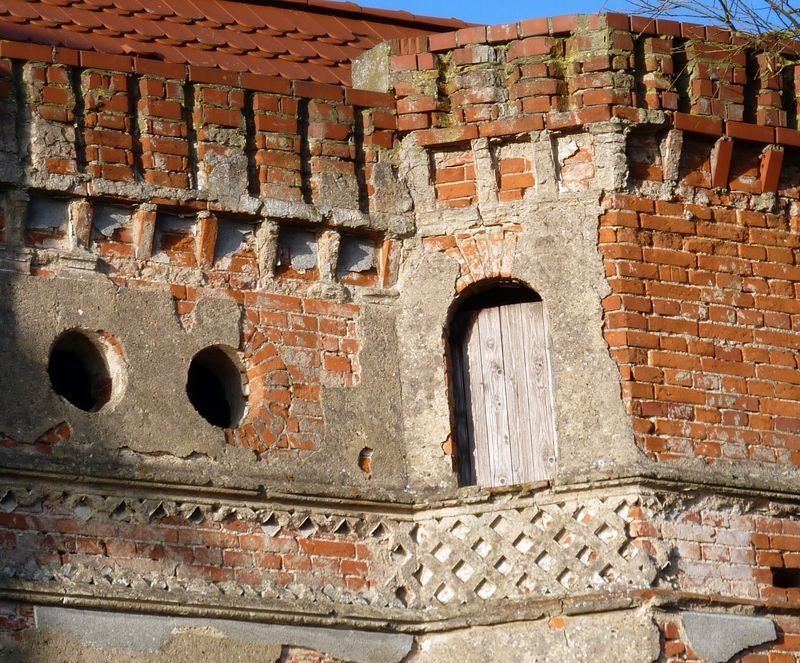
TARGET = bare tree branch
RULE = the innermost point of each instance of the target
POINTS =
(769, 26)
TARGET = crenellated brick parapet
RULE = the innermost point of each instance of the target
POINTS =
(134, 129)
(570, 71)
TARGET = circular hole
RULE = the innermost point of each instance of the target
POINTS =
(214, 386)
(86, 368)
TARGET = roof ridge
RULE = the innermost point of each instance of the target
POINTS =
(351, 9)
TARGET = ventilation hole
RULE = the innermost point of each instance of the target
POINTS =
(785, 578)
(83, 366)
(214, 386)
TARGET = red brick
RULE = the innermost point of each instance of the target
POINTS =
(698, 124)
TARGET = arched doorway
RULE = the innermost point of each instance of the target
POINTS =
(502, 393)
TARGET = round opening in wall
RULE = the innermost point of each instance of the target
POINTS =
(215, 386)
(86, 368)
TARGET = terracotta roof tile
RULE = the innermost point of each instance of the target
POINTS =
(184, 10)
(157, 8)
(247, 18)
(128, 6)
(215, 12)
(21, 9)
(312, 40)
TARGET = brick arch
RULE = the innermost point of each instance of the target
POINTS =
(487, 253)
(265, 422)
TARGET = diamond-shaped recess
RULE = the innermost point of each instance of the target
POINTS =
(423, 575)
(582, 516)
(482, 548)
(485, 589)
(587, 555)
(523, 543)
(157, 514)
(380, 532)
(343, 528)
(307, 527)
(121, 512)
(459, 530)
(83, 510)
(463, 571)
(623, 510)
(271, 526)
(567, 578)
(399, 554)
(627, 550)
(545, 562)
(442, 553)
(503, 566)
(605, 533)
(564, 538)
(445, 594)
(609, 574)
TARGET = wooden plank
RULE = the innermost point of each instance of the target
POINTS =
(475, 391)
(541, 414)
(465, 445)
(494, 397)
(518, 397)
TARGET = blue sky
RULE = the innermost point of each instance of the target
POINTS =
(493, 13)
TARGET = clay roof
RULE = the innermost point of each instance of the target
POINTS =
(296, 39)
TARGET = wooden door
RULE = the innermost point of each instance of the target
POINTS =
(504, 405)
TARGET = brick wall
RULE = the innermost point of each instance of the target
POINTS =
(192, 181)
(703, 323)
(166, 547)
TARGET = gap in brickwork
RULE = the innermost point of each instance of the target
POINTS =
(250, 148)
(752, 86)
(442, 85)
(134, 97)
(112, 230)
(297, 255)
(191, 132)
(214, 386)
(789, 95)
(361, 161)
(785, 578)
(23, 127)
(357, 263)
(79, 372)
(175, 238)
(305, 150)
(682, 80)
(639, 70)
(75, 79)
(47, 222)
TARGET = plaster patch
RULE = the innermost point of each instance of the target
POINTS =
(719, 637)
